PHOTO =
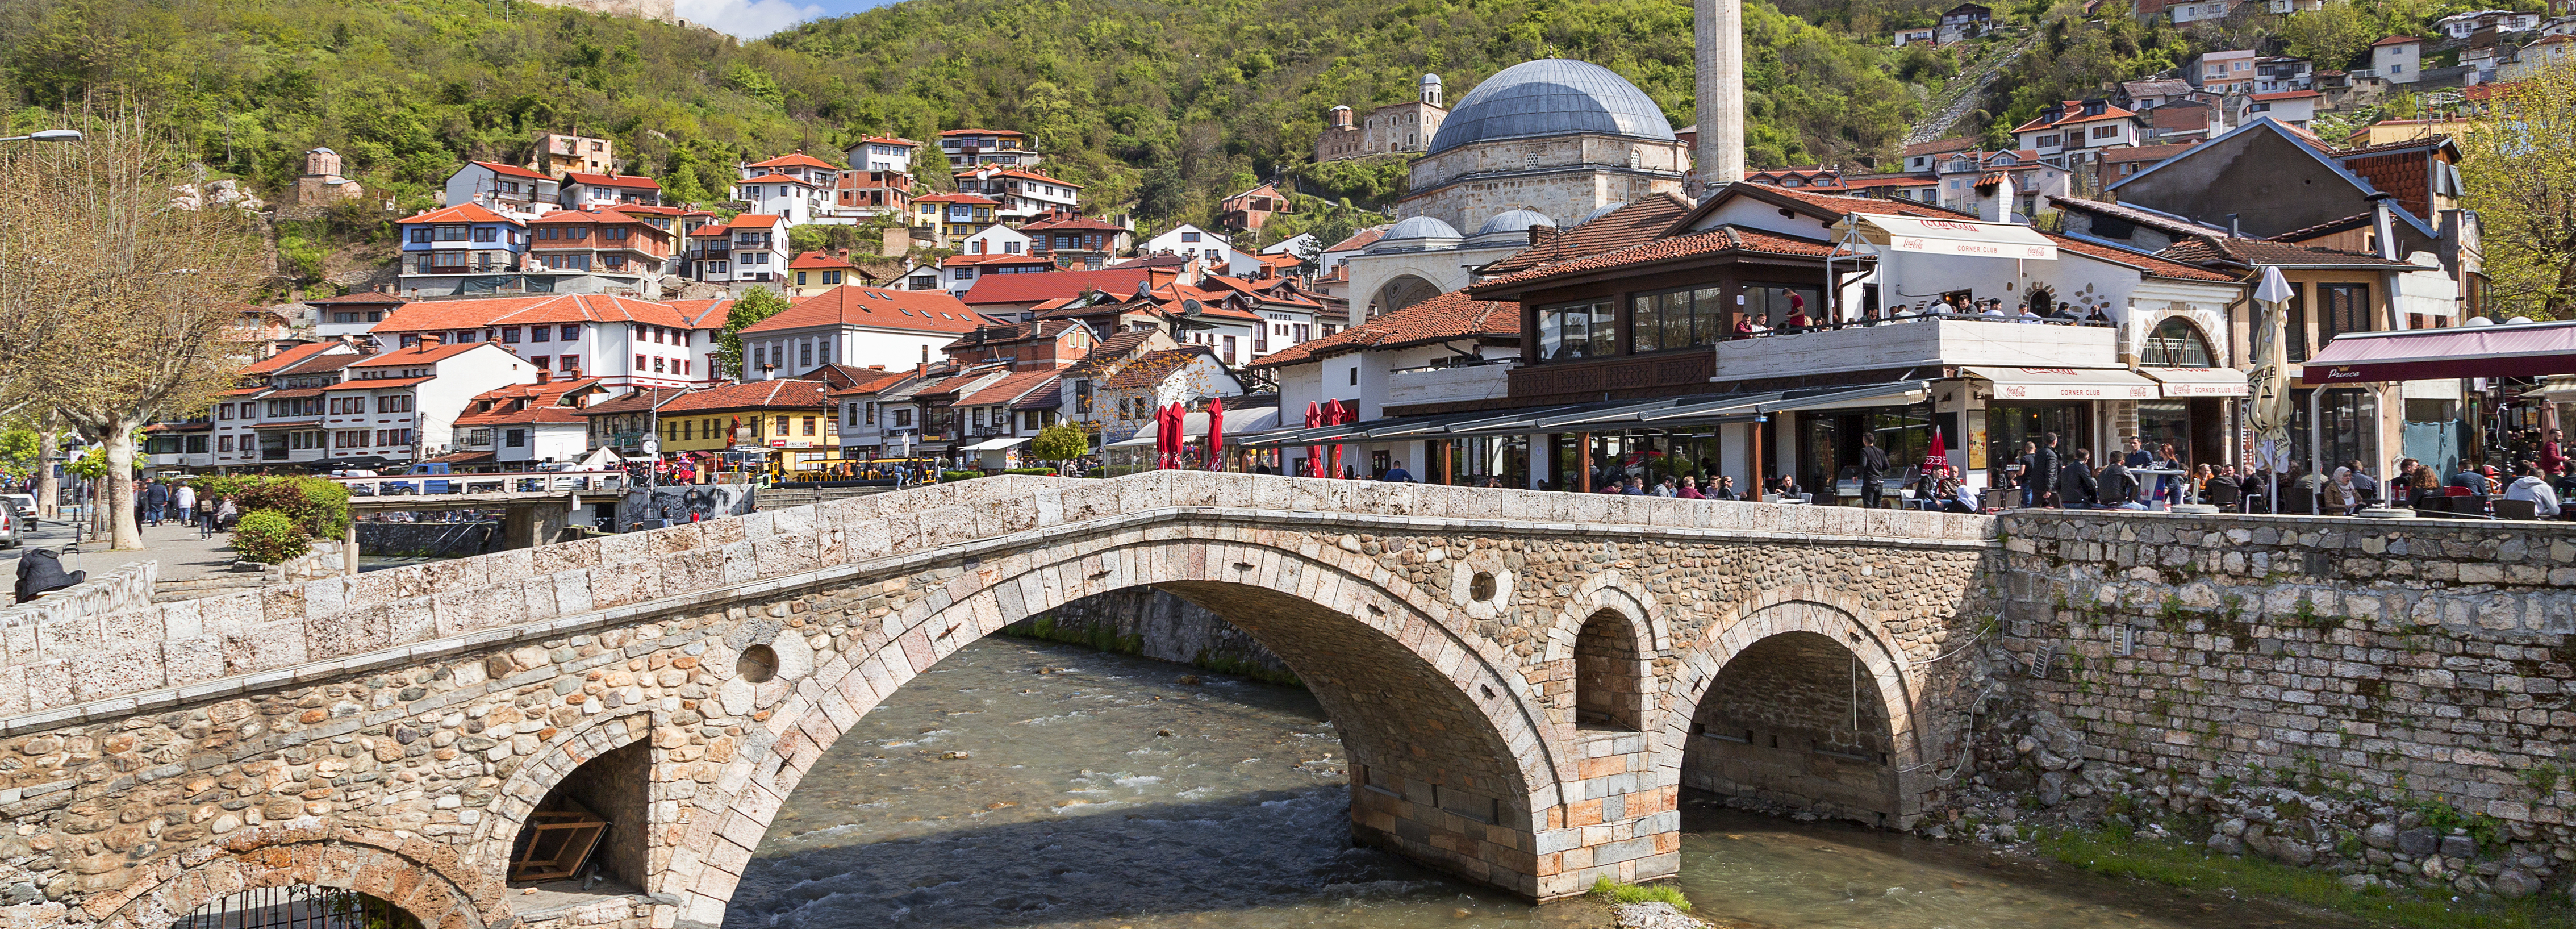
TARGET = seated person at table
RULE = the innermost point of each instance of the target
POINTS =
(1956, 497)
(1994, 306)
(1721, 487)
(2097, 319)
(1744, 327)
(2028, 315)
(2533, 485)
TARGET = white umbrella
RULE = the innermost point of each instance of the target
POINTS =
(2269, 412)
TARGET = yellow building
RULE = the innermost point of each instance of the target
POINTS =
(780, 415)
(2406, 130)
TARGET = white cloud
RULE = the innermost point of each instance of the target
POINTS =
(747, 19)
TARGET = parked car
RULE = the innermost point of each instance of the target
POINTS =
(26, 504)
(14, 522)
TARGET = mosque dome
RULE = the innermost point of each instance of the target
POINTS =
(1419, 233)
(1551, 96)
(1512, 225)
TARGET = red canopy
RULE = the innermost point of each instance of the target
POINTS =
(2509, 350)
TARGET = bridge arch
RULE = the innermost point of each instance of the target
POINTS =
(1600, 654)
(1421, 702)
(541, 774)
(412, 874)
(1790, 633)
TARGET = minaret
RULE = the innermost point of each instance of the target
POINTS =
(1720, 33)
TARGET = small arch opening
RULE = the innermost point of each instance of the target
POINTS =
(757, 665)
(1796, 719)
(298, 906)
(1609, 675)
(587, 836)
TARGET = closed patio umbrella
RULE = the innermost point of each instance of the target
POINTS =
(1314, 453)
(1216, 434)
(1335, 414)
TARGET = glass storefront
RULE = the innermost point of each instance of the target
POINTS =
(1476, 459)
(1829, 446)
(2009, 424)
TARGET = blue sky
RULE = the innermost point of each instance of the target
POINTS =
(751, 19)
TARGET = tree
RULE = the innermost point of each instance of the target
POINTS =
(118, 307)
(1060, 443)
(2330, 36)
(2519, 165)
(753, 306)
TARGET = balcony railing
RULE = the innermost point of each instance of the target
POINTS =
(1932, 342)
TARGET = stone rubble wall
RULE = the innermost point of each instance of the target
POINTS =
(127, 587)
(1156, 624)
(253, 638)
(2393, 700)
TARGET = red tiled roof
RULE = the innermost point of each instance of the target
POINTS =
(361, 298)
(438, 315)
(634, 401)
(2253, 252)
(889, 140)
(2074, 115)
(1023, 173)
(702, 314)
(460, 213)
(544, 404)
(511, 170)
(1716, 241)
(775, 179)
(1632, 224)
(784, 393)
(289, 357)
(957, 198)
(853, 305)
(795, 159)
(1054, 285)
(1358, 240)
(1449, 316)
(962, 261)
(2396, 40)
(611, 180)
(328, 361)
(812, 260)
(1110, 352)
(875, 384)
(1009, 389)
(1074, 223)
(2149, 265)
(373, 383)
(417, 355)
(2286, 95)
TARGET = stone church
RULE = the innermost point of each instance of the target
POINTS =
(1395, 127)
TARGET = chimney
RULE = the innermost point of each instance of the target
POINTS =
(544, 376)
(429, 340)
(2383, 225)
(1995, 201)
(1718, 27)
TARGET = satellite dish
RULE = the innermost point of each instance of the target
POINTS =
(2518, 320)
(1192, 307)
(2479, 321)
(1144, 290)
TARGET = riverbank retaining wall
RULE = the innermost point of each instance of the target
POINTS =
(1154, 624)
(2399, 695)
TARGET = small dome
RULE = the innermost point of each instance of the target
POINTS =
(1514, 222)
(1552, 96)
(1420, 233)
(1597, 214)
(1431, 80)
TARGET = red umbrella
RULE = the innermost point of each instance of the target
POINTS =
(1165, 434)
(1216, 434)
(1335, 414)
(1314, 453)
(1937, 458)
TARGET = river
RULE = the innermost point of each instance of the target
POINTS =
(1022, 784)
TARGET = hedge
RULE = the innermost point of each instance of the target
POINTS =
(270, 537)
(946, 476)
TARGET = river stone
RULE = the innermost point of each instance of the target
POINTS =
(2225, 844)
(2418, 842)
(2513, 884)
(2287, 851)
(2232, 828)
(2459, 846)
(2380, 836)
(1655, 916)
(2359, 881)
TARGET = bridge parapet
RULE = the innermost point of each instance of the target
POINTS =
(101, 665)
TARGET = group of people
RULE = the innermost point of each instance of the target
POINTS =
(169, 501)
(2133, 479)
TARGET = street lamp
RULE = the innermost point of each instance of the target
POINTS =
(45, 135)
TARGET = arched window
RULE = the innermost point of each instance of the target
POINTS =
(1609, 675)
(302, 906)
(2176, 343)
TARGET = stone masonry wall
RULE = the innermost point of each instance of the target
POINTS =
(407, 720)
(1158, 625)
(2410, 676)
(1790, 722)
(127, 587)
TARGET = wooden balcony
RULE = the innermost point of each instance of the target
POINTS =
(1614, 378)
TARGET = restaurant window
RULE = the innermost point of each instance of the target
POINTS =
(2176, 343)
(780, 427)
(2294, 324)
(1771, 304)
(2342, 308)
(1677, 319)
(1577, 330)
(809, 425)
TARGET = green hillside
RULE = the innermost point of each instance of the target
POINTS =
(1164, 105)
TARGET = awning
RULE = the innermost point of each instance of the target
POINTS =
(1245, 423)
(2510, 350)
(995, 445)
(1950, 236)
(1894, 393)
(2067, 383)
(2200, 382)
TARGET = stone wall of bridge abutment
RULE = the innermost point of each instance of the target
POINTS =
(413, 717)
(2421, 661)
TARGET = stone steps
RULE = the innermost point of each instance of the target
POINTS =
(208, 585)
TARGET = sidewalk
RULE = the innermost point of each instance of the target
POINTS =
(183, 556)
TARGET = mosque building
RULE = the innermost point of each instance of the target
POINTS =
(1546, 143)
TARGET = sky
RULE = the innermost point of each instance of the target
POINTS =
(752, 19)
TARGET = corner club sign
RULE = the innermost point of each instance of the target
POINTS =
(1954, 237)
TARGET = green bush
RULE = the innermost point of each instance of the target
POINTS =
(270, 537)
(319, 507)
(1050, 472)
(946, 476)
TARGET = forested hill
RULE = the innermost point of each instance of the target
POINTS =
(1166, 104)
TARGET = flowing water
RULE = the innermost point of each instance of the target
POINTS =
(1021, 784)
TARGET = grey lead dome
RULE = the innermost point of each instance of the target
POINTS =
(1551, 96)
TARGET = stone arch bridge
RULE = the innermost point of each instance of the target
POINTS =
(1523, 681)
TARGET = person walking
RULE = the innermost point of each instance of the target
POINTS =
(2028, 466)
(156, 499)
(187, 503)
(2049, 462)
(2553, 459)
(1873, 471)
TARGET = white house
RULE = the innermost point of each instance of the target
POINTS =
(1022, 194)
(622, 342)
(1189, 240)
(796, 186)
(747, 250)
(583, 191)
(1299, 245)
(2069, 133)
(995, 240)
(522, 424)
(2200, 11)
(502, 188)
(2398, 59)
(883, 153)
(408, 399)
(2293, 107)
(857, 327)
